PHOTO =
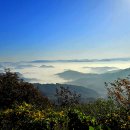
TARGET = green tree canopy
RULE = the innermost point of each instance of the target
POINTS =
(15, 90)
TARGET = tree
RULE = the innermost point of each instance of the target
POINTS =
(65, 97)
(119, 91)
(15, 90)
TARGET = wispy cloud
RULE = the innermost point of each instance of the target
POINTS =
(1, 66)
(27, 79)
(46, 66)
(23, 66)
(101, 69)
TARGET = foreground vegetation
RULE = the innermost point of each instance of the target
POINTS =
(23, 107)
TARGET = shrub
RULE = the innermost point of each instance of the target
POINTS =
(26, 116)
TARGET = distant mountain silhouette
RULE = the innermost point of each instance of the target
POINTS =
(94, 81)
(71, 75)
(49, 90)
(83, 60)
(23, 66)
(46, 66)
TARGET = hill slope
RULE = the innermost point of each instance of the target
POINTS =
(49, 90)
(94, 81)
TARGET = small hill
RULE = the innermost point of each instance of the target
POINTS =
(73, 75)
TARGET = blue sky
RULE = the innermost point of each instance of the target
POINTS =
(64, 29)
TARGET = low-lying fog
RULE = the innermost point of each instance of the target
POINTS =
(46, 72)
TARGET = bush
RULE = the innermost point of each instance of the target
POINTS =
(78, 120)
(26, 116)
(107, 115)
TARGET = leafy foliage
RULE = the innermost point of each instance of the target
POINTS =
(119, 91)
(26, 116)
(15, 90)
(23, 107)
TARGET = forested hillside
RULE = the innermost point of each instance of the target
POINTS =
(23, 106)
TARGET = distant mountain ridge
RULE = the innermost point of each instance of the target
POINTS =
(83, 60)
(94, 81)
(49, 90)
